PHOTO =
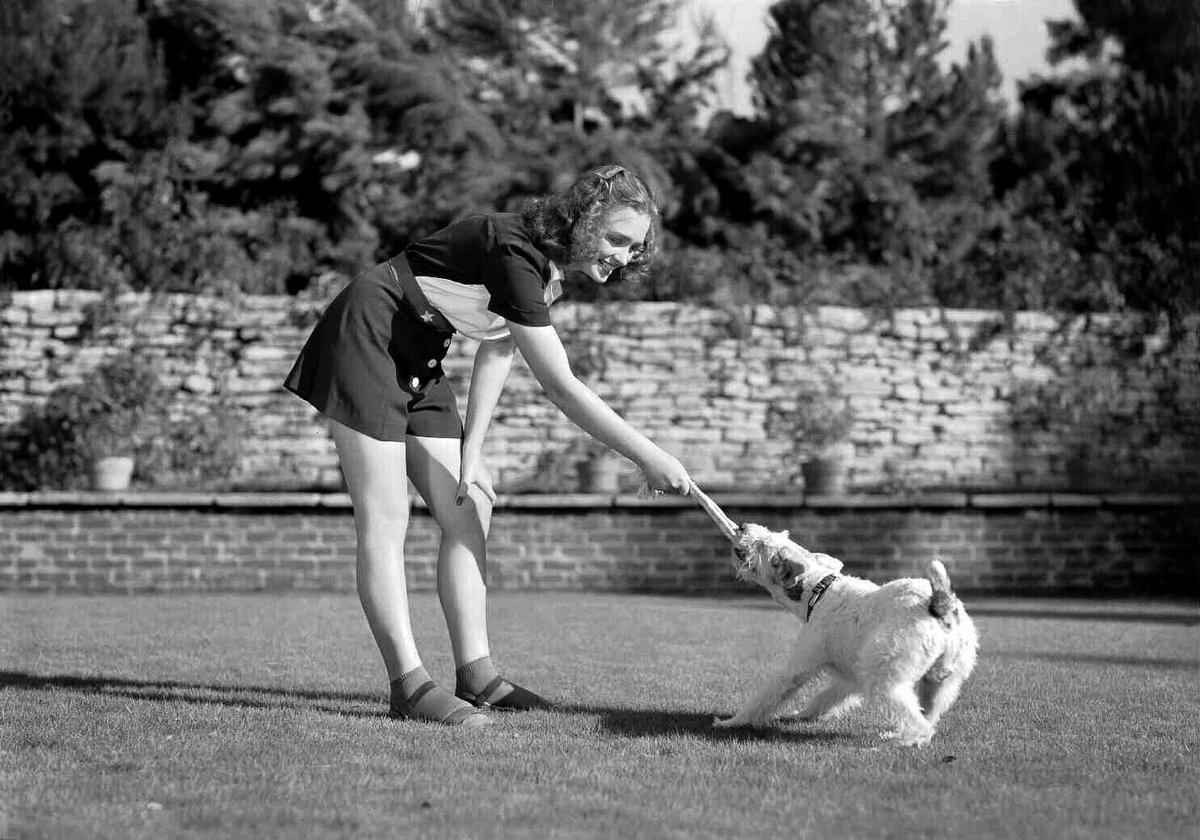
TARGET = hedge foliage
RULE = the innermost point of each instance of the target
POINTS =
(217, 145)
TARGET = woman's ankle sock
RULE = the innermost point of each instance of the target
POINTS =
(475, 675)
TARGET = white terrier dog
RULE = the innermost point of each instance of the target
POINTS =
(907, 646)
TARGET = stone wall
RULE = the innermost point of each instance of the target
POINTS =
(1116, 546)
(933, 389)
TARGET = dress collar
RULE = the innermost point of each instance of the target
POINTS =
(553, 286)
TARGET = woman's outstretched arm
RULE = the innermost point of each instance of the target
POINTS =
(547, 359)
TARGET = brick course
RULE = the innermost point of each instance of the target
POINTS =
(89, 543)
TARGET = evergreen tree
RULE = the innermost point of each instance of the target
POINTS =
(862, 139)
(189, 145)
(574, 83)
(80, 84)
(540, 63)
(1106, 153)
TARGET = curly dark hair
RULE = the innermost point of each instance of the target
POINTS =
(566, 224)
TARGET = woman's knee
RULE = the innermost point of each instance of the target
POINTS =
(378, 521)
(472, 539)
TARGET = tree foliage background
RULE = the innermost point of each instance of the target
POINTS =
(217, 145)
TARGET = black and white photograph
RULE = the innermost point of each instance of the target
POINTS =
(596, 419)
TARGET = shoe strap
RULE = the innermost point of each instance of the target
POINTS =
(456, 716)
(423, 689)
(485, 696)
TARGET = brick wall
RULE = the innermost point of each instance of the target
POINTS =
(932, 389)
(991, 543)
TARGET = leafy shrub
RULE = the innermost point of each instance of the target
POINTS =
(114, 411)
(1076, 408)
(121, 408)
(200, 450)
(821, 418)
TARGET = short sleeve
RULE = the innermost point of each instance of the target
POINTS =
(511, 270)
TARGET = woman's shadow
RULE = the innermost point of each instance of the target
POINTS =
(622, 721)
(179, 691)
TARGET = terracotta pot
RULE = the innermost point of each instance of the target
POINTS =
(600, 474)
(825, 473)
(1083, 473)
(112, 473)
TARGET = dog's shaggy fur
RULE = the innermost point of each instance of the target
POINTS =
(907, 645)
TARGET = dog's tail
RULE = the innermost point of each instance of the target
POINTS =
(944, 603)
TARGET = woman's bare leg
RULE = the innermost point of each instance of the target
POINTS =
(433, 466)
(378, 485)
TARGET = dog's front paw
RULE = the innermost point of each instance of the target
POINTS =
(740, 721)
(907, 739)
(730, 723)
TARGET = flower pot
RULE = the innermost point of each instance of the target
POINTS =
(825, 472)
(1083, 473)
(600, 474)
(112, 473)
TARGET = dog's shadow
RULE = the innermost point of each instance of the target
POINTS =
(621, 721)
(652, 723)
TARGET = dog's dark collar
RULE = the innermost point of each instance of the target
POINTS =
(818, 592)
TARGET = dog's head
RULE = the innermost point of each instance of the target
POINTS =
(777, 564)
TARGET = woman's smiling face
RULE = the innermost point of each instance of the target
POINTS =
(622, 236)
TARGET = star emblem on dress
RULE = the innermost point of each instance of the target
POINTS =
(427, 317)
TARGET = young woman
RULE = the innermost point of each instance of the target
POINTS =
(373, 366)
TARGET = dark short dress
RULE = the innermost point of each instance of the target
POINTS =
(373, 362)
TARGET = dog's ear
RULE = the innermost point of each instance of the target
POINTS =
(779, 566)
(789, 571)
(796, 560)
(833, 563)
(786, 566)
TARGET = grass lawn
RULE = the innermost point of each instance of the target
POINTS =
(263, 716)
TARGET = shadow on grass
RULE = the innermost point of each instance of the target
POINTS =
(1176, 614)
(641, 723)
(626, 722)
(175, 691)
(1148, 614)
(1094, 659)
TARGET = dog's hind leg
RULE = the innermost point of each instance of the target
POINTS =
(802, 666)
(839, 695)
(939, 695)
(899, 700)
(940, 685)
